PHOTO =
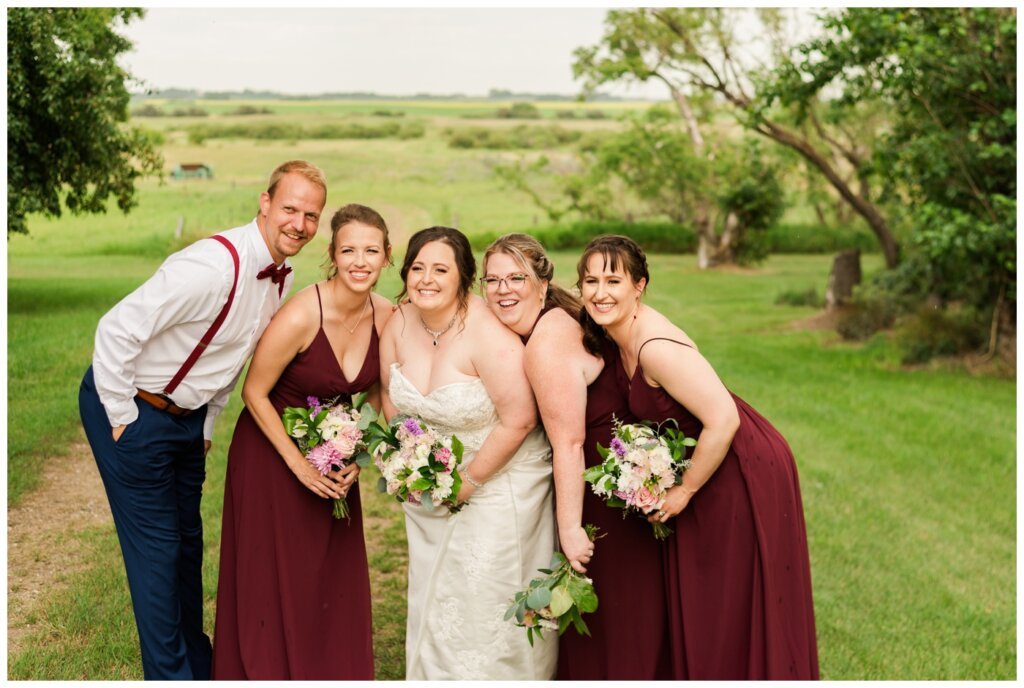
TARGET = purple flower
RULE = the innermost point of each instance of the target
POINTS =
(618, 446)
(412, 427)
(314, 405)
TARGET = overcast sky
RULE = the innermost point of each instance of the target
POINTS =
(386, 51)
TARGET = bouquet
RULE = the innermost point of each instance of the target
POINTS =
(639, 467)
(330, 435)
(417, 465)
(557, 600)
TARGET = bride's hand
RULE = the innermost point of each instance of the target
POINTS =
(577, 547)
(320, 485)
(466, 491)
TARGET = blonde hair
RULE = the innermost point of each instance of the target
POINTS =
(531, 257)
(306, 169)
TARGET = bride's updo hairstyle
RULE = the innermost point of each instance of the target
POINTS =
(528, 253)
(464, 261)
(615, 249)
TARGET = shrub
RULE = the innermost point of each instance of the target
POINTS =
(519, 111)
(565, 114)
(814, 238)
(283, 132)
(934, 331)
(191, 111)
(148, 110)
(796, 297)
(656, 237)
(249, 110)
(388, 113)
(866, 315)
(595, 114)
(518, 137)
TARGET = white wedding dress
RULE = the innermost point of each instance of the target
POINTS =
(464, 568)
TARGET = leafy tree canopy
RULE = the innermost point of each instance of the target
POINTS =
(67, 104)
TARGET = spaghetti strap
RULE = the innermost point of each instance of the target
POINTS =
(654, 339)
(320, 304)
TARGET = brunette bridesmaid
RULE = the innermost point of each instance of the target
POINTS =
(579, 393)
(293, 598)
(738, 575)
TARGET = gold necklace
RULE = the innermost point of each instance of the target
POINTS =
(362, 313)
(437, 334)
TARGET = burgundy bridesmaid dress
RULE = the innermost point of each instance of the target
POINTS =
(293, 598)
(629, 630)
(737, 574)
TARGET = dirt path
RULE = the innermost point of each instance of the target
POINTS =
(42, 537)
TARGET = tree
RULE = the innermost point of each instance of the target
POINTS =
(949, 158)
(694, 50)
(67, 104)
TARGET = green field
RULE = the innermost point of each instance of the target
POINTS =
(908, 476)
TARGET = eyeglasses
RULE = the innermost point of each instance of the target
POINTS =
(514, 281)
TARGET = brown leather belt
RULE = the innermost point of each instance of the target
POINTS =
(158, 401)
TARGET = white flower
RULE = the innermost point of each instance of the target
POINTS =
(300, 429)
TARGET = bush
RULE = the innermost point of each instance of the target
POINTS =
(933, 331)
(565, 114)
(656, 237)
(277, 131)
(595, 114)
(191, 111)
(148, 110)
(795, 297)
(519, 137)
(519, 111)
(249, 110)
(814, 238)
(866, 315)
(388, 113)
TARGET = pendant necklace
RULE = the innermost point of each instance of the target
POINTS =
(361, 314)
(436, 334)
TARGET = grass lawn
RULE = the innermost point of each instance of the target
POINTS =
(908, 476)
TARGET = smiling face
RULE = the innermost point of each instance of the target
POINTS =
(359, 255)
(609, 293)
(289, 220)
(512, 293)
(432, 281)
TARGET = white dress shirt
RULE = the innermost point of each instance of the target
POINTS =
(143, 340)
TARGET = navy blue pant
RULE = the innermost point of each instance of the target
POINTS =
(154, 476)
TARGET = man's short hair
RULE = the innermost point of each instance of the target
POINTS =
(306, 169)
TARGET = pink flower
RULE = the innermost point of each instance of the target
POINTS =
(324, 457)
(646, 500)
(444, 455)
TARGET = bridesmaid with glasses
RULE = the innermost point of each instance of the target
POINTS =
(580, 393)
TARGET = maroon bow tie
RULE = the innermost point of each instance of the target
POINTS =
(276, 275)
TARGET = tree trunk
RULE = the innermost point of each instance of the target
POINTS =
(844, 277)
(864, 208)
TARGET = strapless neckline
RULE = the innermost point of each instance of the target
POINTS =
(397, 368)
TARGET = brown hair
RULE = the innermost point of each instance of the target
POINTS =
(530, 255)
(464, 261)
(353, 212)
(615, 248)
(301, 167)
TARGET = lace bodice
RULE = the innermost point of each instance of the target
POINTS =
(463, 409)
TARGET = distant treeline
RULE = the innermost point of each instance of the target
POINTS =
(248, 94)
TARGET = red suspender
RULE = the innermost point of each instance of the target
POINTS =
(208, 337)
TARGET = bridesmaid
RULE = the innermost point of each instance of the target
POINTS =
(579, 395)
(738, 574)
(293, 599)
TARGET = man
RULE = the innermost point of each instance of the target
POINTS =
(166, 359)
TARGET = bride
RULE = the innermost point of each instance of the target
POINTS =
(446, 359)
